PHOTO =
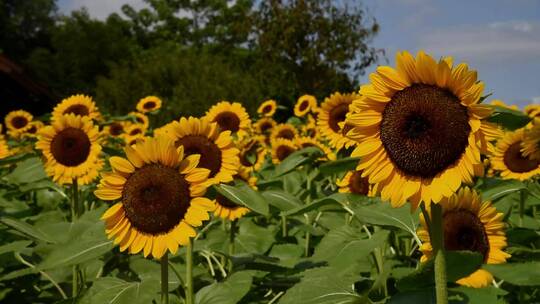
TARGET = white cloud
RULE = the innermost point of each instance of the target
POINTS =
(101, 9)
(508, 40)
(536, 99)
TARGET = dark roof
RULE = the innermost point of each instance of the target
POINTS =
(19, 91)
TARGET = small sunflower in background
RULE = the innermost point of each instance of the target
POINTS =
(285, 131)
(132, 140)
(134, 130)
(281, 148)
(4, 148)
(252, 152)
(469, 224)
(230, 117)
(227, 209)
(264, 125)
(71, 148)
(35, 126)
(18, 122)
(530, 146)
(216, 148)
(160, 189)
(508, 159)
(149, 104)
(306, 142)
(353, 182)
(80, 105)
(420, 129)
(141, 119)
(115, 129)
(304, 105)
(532, 109)
(500, 103)
(267, 108)
(332, 117)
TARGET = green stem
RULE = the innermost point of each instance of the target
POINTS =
(308, 235)
(437, 241)
(189, 273)
(74, 216)
(522, 197)
(165, 278)
(232, 234)
(284, 226)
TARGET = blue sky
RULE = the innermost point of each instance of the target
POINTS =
(498, 38)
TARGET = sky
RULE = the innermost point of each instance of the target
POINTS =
(498, 38)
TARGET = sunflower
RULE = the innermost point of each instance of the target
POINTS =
(149, 104)
(353, 182)
(217, 150)
(4, 148)
(469, 224)
(304, 104)
(227, 209)
(500, 103)
(160, 191)
(141, 119)
(285, 131)
(310, 127)
(18, 122)
(71, 148)
(331, 115)
(281, 148)
(267, 108)
(163, 130)
(252, 152)
(115, 129)
(532, 109)
(132, 140)
(135, 130)
(530, 146)
(264, 125)
(305, 142)
(35, 126)
(80, 105)
(510, 161)
(419, 129)
(230, 117)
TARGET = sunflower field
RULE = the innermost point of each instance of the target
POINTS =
(414, 189)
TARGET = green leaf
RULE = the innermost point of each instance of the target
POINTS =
(282, 200)
(325, 285)
(338, 166)
(116, 291)
(424, 296)
(26, 229)
(493, 189)
(230, 291)
(252, 238)
(28, 171)
(521, 274)
(15, 158)
(332, 200)
(243, 194)
(383, 214)
(508, 118)
(465, 295)
(346, 245)
(459, 264)
(297, 159)
(14, 246)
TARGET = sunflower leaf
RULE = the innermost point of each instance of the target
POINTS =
(244, 195)
(332, 200)
(508, 118)
(298, 159)
(521, 274)
(230, 291)
(338, 166)
(282, 200)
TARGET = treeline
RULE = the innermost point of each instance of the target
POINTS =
(193, 53)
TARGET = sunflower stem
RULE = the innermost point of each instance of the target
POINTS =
(189, 272)
(232, 234)
(284, 226)
(522, 197)
(74, 216)
(437, 240)
(165, 278)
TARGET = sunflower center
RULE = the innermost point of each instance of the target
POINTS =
(32, 130)
(337, 115)
(116, 129)
(303, 105)
(463, 230)
(358, 184)
(516, 162)
(225, 202)
(267, 109)
(424, 130)
(209, 151)
(155, 198)
(149, 105)
(228, 121)
(70, 147)
(139, 120)
(135, 131)
(250, 150)
(286, 133)
(19, 122)
(283, 151)
(265, 126)
(77, 109)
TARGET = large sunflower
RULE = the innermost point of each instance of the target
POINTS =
(510, 161)
(217, 150)
(531, 141)
(149, 104)
(267, 108)
(331, 115)
(304, 104)
(230, 117)
(469, 224)
(353, 182)
(80, 105)
(71, 148)
(420, 129)
(160, 191)
(285, 131)
(281, 148)
(18, 122)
